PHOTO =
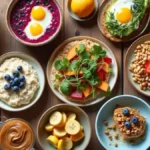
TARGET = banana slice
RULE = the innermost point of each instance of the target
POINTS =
(65, 144)
(64, 119)
(55, 118)
(77, 137)
(71, 116)
(53, 140)
(72, 127)
(81, 128)
(59, 132)
(49, 127)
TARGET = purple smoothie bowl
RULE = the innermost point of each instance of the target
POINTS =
(18, 16)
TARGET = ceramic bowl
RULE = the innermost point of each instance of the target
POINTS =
(134, 35)
(88, 102)
(108, 109)
(38, 68)
(74, 16)
(128, 60)
(8, 12)
(81, 117)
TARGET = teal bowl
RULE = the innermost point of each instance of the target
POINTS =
(82, 117)
(106, 113)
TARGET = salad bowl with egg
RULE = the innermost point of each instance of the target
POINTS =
(123, 20)
(82, 71)
(34, 22)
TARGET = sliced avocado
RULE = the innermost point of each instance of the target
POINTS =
(130, 30)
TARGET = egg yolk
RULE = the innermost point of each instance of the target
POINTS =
(124, 16)
(38, 13)
(36, 29)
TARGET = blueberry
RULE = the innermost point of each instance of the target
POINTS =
(15, 88)
(16, 81)
(51, 8)
(19, 68)
(21, 85)
(134, 6)
(22, 78)
(16, 74)
(19, 31)
(125, 111)
(135, 119)
(46, 3)
(20, 24)
(12, 83)
(7, 87)
(14, 27)
(24, 36)
(47, 30)
(12, 78)
(38, 3)
(127, 124)
(7, 77)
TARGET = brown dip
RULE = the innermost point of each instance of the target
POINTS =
(16, 135)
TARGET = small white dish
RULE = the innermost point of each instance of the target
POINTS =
(41, 77)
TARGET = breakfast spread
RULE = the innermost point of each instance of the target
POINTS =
(82, 71)
(18, 82)
(64, 129)
(121, 18)
(82, 8)
(140, 66)
(35, 21)
(16, 135)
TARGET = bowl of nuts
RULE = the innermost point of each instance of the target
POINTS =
(137, 64)
(125, 125)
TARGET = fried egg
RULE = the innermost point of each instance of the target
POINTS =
(122, 10)
(41, 19)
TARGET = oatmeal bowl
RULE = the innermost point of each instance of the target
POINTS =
(22, 81)
(125, 125)
(137, 65)
(82, 71)
(34, 22)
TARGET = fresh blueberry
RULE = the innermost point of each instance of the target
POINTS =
(15, 88)
(16, 81)
(7, 87)
(19, 31)
(21, 85)
(7, 77)
(135, 119)
(38, 3)
(19, 68)
(46, 3)
(12, 83)
(22, 78)
(127, 124)
(16, 74)
(12, 78)
(125, 111)
(134, 6)
(47, 30)
(51, 8)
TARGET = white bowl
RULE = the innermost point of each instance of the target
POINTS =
(41, 77)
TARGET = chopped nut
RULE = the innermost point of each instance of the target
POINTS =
(112, 127)
(110, 137)
(116, 135)
(105, 122)
(128, 132)
(116, 145)
(106, 132)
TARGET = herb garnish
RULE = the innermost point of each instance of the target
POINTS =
(119, 29)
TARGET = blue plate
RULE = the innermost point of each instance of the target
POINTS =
(106, 113)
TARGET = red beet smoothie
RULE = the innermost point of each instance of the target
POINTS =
(20, 17)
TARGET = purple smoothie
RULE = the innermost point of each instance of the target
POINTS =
(20, 17)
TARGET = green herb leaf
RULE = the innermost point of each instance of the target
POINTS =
(85, 55)
(81, 49)
(108, 93)
(62, 64)
(75, 65)
(56, 85)
(81, 87)
(110, 70)
(87, 73)
(94, 80)
(65, 87)
(58, 76)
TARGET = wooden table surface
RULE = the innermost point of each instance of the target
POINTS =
(70, 28)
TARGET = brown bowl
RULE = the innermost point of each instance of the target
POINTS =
(128, 60)
(8, 12)
(143, 24)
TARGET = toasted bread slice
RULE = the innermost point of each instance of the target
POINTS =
(136, 130)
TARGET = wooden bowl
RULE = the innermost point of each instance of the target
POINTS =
(100, 97)
(128, 60)
(8, 12)
(143, 24)
(74, 16)
(82, 117)
(41, 77)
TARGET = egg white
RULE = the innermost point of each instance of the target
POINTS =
(118, 5)
(45, 23)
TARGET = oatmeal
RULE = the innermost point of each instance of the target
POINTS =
(18, 82)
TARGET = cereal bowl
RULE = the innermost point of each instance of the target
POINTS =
(128, 61)
(40, 77)
(108, 109)
(24, 24)
(81, 117)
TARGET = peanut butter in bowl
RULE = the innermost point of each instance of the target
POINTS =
(16, 134)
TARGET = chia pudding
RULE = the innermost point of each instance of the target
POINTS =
(21, 17)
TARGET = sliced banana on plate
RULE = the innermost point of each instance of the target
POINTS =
(71, 116)
(53, 140)
(65, 144)
(59, 132)
(72, 127)
(49, 128)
